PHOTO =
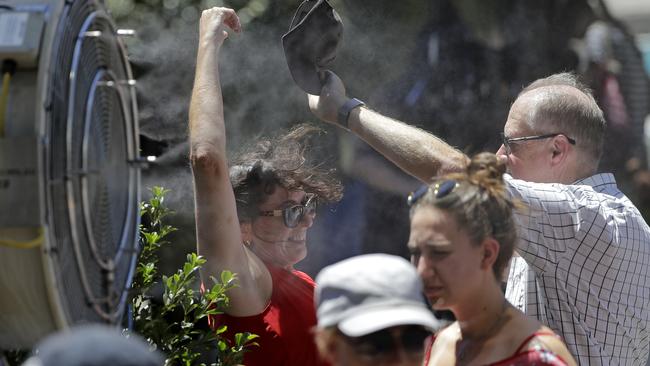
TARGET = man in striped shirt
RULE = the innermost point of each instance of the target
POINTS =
(584, 250)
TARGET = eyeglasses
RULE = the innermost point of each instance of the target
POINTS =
(292, 215)
(509, 140)
(440, 190)
(386, 341)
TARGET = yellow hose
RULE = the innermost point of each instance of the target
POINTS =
(24, 244)
(6, 79)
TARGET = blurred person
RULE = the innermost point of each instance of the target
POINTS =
(463, 234)
(94, 345)
(613, 67)
(252, 218)
(371, 311)
(584, 264)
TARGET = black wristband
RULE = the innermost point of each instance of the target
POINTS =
(344, 111)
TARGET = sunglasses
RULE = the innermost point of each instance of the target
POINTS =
(387, 341)
(292, 215)
(440, 190)
(509, 140)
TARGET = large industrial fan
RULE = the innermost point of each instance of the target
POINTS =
(69, 176)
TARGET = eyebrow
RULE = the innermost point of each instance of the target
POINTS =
(436, 244)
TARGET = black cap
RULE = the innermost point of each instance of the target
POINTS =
(311, 43)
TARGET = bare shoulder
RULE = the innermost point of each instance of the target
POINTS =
(450, 333)
(443, 348)
(546, 339)
(522, 329)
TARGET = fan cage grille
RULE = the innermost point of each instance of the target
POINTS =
(92, 184)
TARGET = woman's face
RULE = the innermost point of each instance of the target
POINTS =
(272, 240)
(446, 260)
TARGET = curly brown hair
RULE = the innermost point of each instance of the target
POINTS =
(281, 161)
(480, 205)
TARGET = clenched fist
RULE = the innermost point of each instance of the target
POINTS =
(215, 22)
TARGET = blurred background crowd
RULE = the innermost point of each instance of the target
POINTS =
(452, 67)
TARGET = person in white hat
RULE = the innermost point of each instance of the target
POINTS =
(371, 311)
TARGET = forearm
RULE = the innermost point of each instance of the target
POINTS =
(415, 151)
(207, 128)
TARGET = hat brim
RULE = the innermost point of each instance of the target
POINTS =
(375, 319)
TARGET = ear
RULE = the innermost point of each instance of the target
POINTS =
(490, 253)
(561, 148)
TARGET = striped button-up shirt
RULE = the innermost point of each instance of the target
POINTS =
(584, 268)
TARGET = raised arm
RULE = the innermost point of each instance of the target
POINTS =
(218, 231)
(415, 151)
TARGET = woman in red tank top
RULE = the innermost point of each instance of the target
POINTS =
(462, 237)
(252, 218)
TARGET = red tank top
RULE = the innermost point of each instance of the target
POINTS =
(522, 357)
(284, 327)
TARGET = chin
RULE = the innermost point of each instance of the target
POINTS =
(439, 304)
(302, 255)
(296, 254)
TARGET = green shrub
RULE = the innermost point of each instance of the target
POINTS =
(177, 324)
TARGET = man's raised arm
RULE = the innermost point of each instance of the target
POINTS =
(414, 150)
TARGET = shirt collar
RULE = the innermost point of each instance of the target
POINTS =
(602, 182)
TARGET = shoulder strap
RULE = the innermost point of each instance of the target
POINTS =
(427, 353)
(530, 337)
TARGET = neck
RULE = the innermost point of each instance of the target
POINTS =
(579, 168)
(481, 319)
(266, 257)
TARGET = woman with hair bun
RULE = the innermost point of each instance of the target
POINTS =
(462, 236)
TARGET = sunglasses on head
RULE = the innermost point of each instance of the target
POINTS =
(292, 215)
(440, 190)
(386, 341)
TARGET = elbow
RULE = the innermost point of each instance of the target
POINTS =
(205, 158)
(459, 163)
(444, 164)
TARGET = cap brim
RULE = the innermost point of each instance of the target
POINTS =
(373, 320)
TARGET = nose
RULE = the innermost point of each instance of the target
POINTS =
(423, 267)
(502, 155)
(501, 151)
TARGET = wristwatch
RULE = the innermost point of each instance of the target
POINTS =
(344, 111)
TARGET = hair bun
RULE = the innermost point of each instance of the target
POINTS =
(486, 170)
